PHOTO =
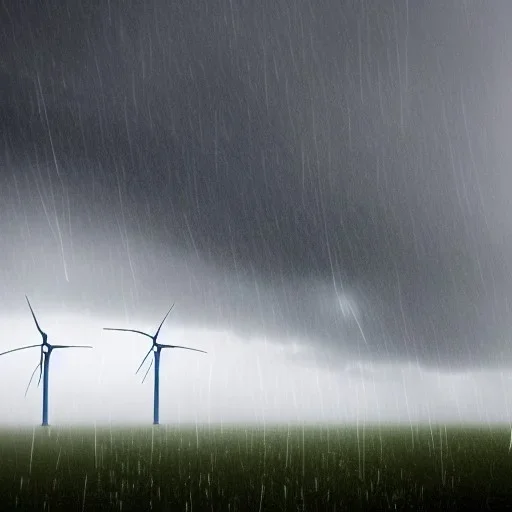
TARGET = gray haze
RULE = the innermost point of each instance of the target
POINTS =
(329, 175)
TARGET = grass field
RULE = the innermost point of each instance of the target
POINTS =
(276, 468)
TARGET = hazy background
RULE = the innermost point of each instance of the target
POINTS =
(323, 188)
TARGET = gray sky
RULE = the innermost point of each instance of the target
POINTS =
(316, 175)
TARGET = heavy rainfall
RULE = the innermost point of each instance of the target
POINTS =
(321, 188)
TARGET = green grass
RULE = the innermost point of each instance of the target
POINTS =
(229, 469)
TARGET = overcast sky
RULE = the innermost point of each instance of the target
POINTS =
(322, 188)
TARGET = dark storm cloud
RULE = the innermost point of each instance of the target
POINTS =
(308, 149)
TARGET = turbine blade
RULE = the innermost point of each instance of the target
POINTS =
(31, 377)
(21, 348)
(162, 323)
(40, 367)
(185, 348)
(71, 346)
(144, 360)
(147, 371)
(35, 319)
(128, 330)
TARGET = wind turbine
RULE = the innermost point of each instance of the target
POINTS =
(156, 348)
(44, 362)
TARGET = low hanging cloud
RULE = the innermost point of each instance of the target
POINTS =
(255, 382)
(315, 173)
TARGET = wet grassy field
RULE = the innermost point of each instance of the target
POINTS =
(276, 468)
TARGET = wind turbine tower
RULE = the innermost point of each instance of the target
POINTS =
(156, 348)
(44, 362)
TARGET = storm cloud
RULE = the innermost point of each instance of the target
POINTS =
(333, 172)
